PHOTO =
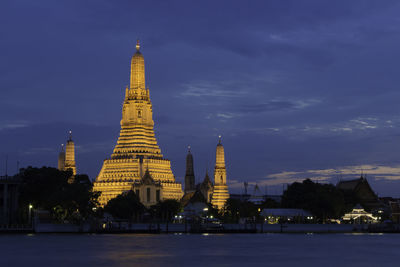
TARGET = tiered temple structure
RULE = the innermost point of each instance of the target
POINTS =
(220, 192)
(189, 176)
(137, 149)
(61, 159)
(66, 160)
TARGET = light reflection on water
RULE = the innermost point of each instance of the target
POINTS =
(200, 250)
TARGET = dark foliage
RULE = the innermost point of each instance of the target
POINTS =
(66, 197)
(165, 210)
(322, 200)
(236, 209)
(125, 206)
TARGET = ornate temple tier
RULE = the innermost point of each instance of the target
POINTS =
(220, 195)
(137, 149)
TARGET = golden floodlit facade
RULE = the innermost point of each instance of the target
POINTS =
(137, 149)
(66, 160)
(220, 192)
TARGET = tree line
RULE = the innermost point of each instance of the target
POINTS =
(72, 199)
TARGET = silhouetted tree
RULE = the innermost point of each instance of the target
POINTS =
(236, 209)
(322, 200)
(125, 206)
(53, 190)
(165, 210)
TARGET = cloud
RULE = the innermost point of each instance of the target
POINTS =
(356, 126)
(14, 125)
(329, 175)
(95, 147)
(206, 89)
(227, 115)
(39, 150)
(270, 106)
(279, 104)
(380, 172)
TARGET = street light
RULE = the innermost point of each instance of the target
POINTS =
(30, 214)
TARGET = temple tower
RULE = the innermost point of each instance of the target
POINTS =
(207, 188)
(189, 176)
(61, 159)
(136, 146)
(70, 155)
(220, 194)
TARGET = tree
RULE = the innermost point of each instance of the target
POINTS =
(322, 200)
(83, 199)
(232, 210)
(48, 188)
(236, 209)
(125, 206)
(269, 203)
(165, 210)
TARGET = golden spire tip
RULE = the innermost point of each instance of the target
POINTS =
(137, 45)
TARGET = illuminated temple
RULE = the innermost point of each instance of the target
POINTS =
(217, 194)
(137, 152)
(220, 192)
(66, 160)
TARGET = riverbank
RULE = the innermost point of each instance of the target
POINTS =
(161, 228)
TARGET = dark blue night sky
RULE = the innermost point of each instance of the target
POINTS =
(296, 88)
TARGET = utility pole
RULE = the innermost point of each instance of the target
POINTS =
(6, 165)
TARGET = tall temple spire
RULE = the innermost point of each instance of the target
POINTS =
(137, 125)
(70, 155)
(136, 146)
(220, 157)
(137, 70)
(61, 159)
(189, 176)
(220, 194)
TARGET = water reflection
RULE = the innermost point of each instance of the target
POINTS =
(199, 250)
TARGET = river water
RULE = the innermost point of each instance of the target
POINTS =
(200, 250)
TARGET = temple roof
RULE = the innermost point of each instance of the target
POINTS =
(186, 197)
(207, 181)
(193, 197)
(147, 179)
(361, 188)
(350, 184)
